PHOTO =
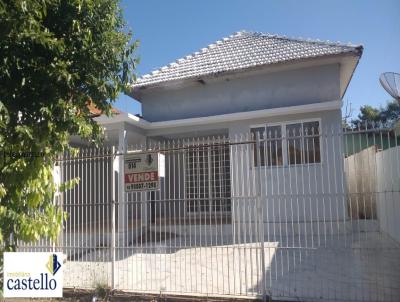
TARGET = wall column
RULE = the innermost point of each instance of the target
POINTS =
(122, 222)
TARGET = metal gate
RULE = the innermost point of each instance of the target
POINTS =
(283, 213)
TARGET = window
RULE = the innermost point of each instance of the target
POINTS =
(300, 145)
(312, 153)
(270, 151)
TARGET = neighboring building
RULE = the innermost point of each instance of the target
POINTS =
(286, 89)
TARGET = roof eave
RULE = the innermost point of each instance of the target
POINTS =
(217, 119)
(348, 81)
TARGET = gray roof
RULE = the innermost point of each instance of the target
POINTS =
(244, 50)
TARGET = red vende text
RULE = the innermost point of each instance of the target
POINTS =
(141, 177)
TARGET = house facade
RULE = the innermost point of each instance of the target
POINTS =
(278, 94)
(263, 194)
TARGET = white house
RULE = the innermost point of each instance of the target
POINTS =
(286, 92)
(260, 187)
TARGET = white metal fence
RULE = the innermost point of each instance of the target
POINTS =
(279, 212)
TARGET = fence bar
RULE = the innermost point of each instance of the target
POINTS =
(261, 219)
(113, 212)
(300, 210)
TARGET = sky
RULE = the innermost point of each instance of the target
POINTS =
(168, 30)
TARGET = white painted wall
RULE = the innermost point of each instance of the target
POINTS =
(388, 188)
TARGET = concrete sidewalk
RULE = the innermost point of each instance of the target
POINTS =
(363, 267)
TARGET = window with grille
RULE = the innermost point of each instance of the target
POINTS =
(207, 181)
(299, 145)
(270, 152)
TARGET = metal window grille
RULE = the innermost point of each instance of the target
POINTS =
(207, 170)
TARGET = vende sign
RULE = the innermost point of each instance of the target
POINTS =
(142, 171)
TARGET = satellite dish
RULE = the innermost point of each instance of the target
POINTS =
(391, 82)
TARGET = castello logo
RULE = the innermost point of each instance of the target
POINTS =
(32, 275)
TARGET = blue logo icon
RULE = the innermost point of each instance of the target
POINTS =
(53, 265)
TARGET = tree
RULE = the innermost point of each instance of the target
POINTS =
(386, 116)
(56, 57)
(391, 113)
(367, 114)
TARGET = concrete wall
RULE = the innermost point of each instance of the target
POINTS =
(360, 171)
(388, 191)
(373, 182)
(261, 91)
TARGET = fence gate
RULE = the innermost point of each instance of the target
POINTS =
(287, 213)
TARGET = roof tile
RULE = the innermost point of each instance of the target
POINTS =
(244, 50)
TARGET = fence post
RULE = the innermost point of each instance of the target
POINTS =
(260, 215)
(122, 221)
(113, 197)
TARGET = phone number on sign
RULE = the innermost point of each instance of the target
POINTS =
(142, 186)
